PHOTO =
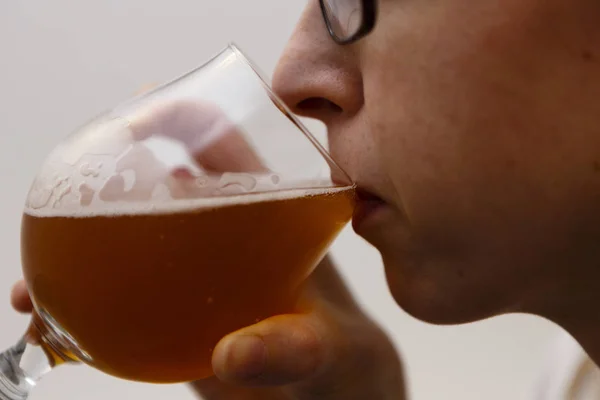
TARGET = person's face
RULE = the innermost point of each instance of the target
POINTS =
(478, 124)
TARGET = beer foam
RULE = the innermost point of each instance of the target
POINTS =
(122, 208)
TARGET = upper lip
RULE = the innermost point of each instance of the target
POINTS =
(366, 195)
(366, 203)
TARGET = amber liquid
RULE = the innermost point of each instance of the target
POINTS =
(148, 296)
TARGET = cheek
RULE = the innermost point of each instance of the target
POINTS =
(463, 121)
(493, 176)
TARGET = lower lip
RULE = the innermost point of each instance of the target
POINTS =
(366, 213)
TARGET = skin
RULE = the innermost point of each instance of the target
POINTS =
(478, 124)
(455, 113)
(490, 185)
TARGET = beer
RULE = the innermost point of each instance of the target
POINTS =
(147, 295)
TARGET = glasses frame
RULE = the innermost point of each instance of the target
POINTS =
(369, 15)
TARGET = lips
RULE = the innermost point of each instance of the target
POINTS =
(367, 205)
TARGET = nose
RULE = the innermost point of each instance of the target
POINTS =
(316, 77)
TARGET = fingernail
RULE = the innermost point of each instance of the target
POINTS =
(245, 357)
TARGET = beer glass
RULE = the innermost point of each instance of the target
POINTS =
(168, 222)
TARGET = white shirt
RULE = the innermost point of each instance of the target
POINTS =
(570, 374)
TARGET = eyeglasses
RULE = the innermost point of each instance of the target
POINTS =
(348, 20)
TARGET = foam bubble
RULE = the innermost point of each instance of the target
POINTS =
(115, 209)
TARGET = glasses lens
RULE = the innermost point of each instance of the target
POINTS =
(344, 16)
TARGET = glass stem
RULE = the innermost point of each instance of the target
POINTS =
(21, 367)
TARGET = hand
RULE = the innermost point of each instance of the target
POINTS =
(332, 351)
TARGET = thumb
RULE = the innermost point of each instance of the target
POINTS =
(278, 351)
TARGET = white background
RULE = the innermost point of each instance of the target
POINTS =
(62, 61)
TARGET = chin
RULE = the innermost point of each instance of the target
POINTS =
(432, 294)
